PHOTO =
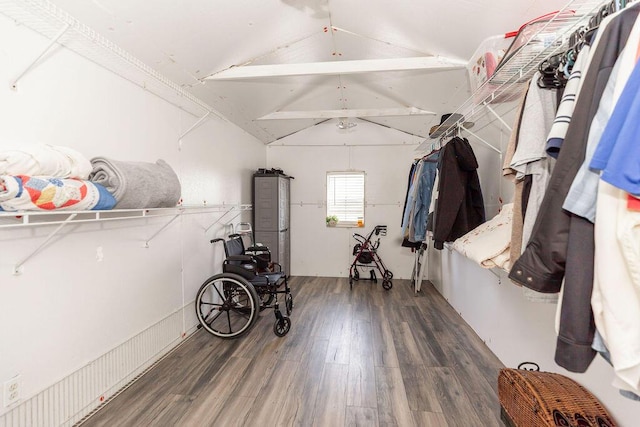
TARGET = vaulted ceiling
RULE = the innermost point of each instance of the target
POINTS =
(270, 65)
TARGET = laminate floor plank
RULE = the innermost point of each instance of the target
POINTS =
(234, 412)
(275, 391)
(422, 396)
(428, 344)
(393, 406)
(298, 409)
(405, 343)
(361, 383)
(384, 350)
(454, 400)
(331, 403)
(357, 357)
(361, 417)
(431, 419)
(341, 335)
(205, 408)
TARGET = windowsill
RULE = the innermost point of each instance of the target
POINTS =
(345, 225)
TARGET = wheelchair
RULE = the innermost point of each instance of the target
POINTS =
(228, 304)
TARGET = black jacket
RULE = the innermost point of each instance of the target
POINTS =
(460, 206)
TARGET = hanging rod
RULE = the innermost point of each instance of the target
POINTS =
(14, 84)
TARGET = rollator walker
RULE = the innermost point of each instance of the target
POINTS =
(366, 256)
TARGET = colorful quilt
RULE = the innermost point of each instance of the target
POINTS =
(30, 193)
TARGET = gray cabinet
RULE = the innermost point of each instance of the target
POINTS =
(271, 216)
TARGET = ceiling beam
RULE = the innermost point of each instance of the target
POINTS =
(330, 114)
(438, 63)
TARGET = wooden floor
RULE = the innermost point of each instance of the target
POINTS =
(365, 357)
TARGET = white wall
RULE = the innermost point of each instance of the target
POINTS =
(69, 306)
(384, 154)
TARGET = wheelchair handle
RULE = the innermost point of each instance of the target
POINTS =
(216, 240)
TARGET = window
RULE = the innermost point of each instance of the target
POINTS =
(345, 197)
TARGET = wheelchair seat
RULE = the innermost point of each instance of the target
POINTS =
(253, 263)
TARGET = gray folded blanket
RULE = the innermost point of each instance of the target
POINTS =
(137, 185)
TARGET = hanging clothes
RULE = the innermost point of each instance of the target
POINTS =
(562, 244)
(410, 204)
(460, 205)
(531, 167)
(423, 197)
(418, 200)
(412, 171)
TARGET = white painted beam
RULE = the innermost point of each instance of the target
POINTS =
(338, 67)
(330, 114)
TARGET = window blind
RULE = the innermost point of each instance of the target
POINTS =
(345, 196)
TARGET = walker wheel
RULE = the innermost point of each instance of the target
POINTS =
(388, 275)
(356, 275)
(281, 326)
(386, 284)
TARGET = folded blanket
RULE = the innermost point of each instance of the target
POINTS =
(45, 160)
(43, 194)
(489, 244)
(137, 185)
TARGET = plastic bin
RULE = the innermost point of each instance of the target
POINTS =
(486, 58)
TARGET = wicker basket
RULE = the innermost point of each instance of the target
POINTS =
(537, 399)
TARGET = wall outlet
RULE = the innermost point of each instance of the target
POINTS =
(11, 391)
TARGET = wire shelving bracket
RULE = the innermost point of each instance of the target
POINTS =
(17, 269)
(14, 84)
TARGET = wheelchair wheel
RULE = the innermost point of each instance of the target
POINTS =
(288, 302)
(386, 284)
(227, 305)
(281, 326)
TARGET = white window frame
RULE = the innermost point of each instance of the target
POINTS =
(347, 215)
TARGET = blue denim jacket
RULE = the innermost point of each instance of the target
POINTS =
(423, 197)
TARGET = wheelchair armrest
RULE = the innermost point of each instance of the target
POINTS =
(257, 249)
(275, 264)
(239, 258)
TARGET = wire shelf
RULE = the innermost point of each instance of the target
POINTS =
(48, 20)
(36, 218)
(507, 83)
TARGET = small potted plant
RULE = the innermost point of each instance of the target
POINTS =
(332, 220)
